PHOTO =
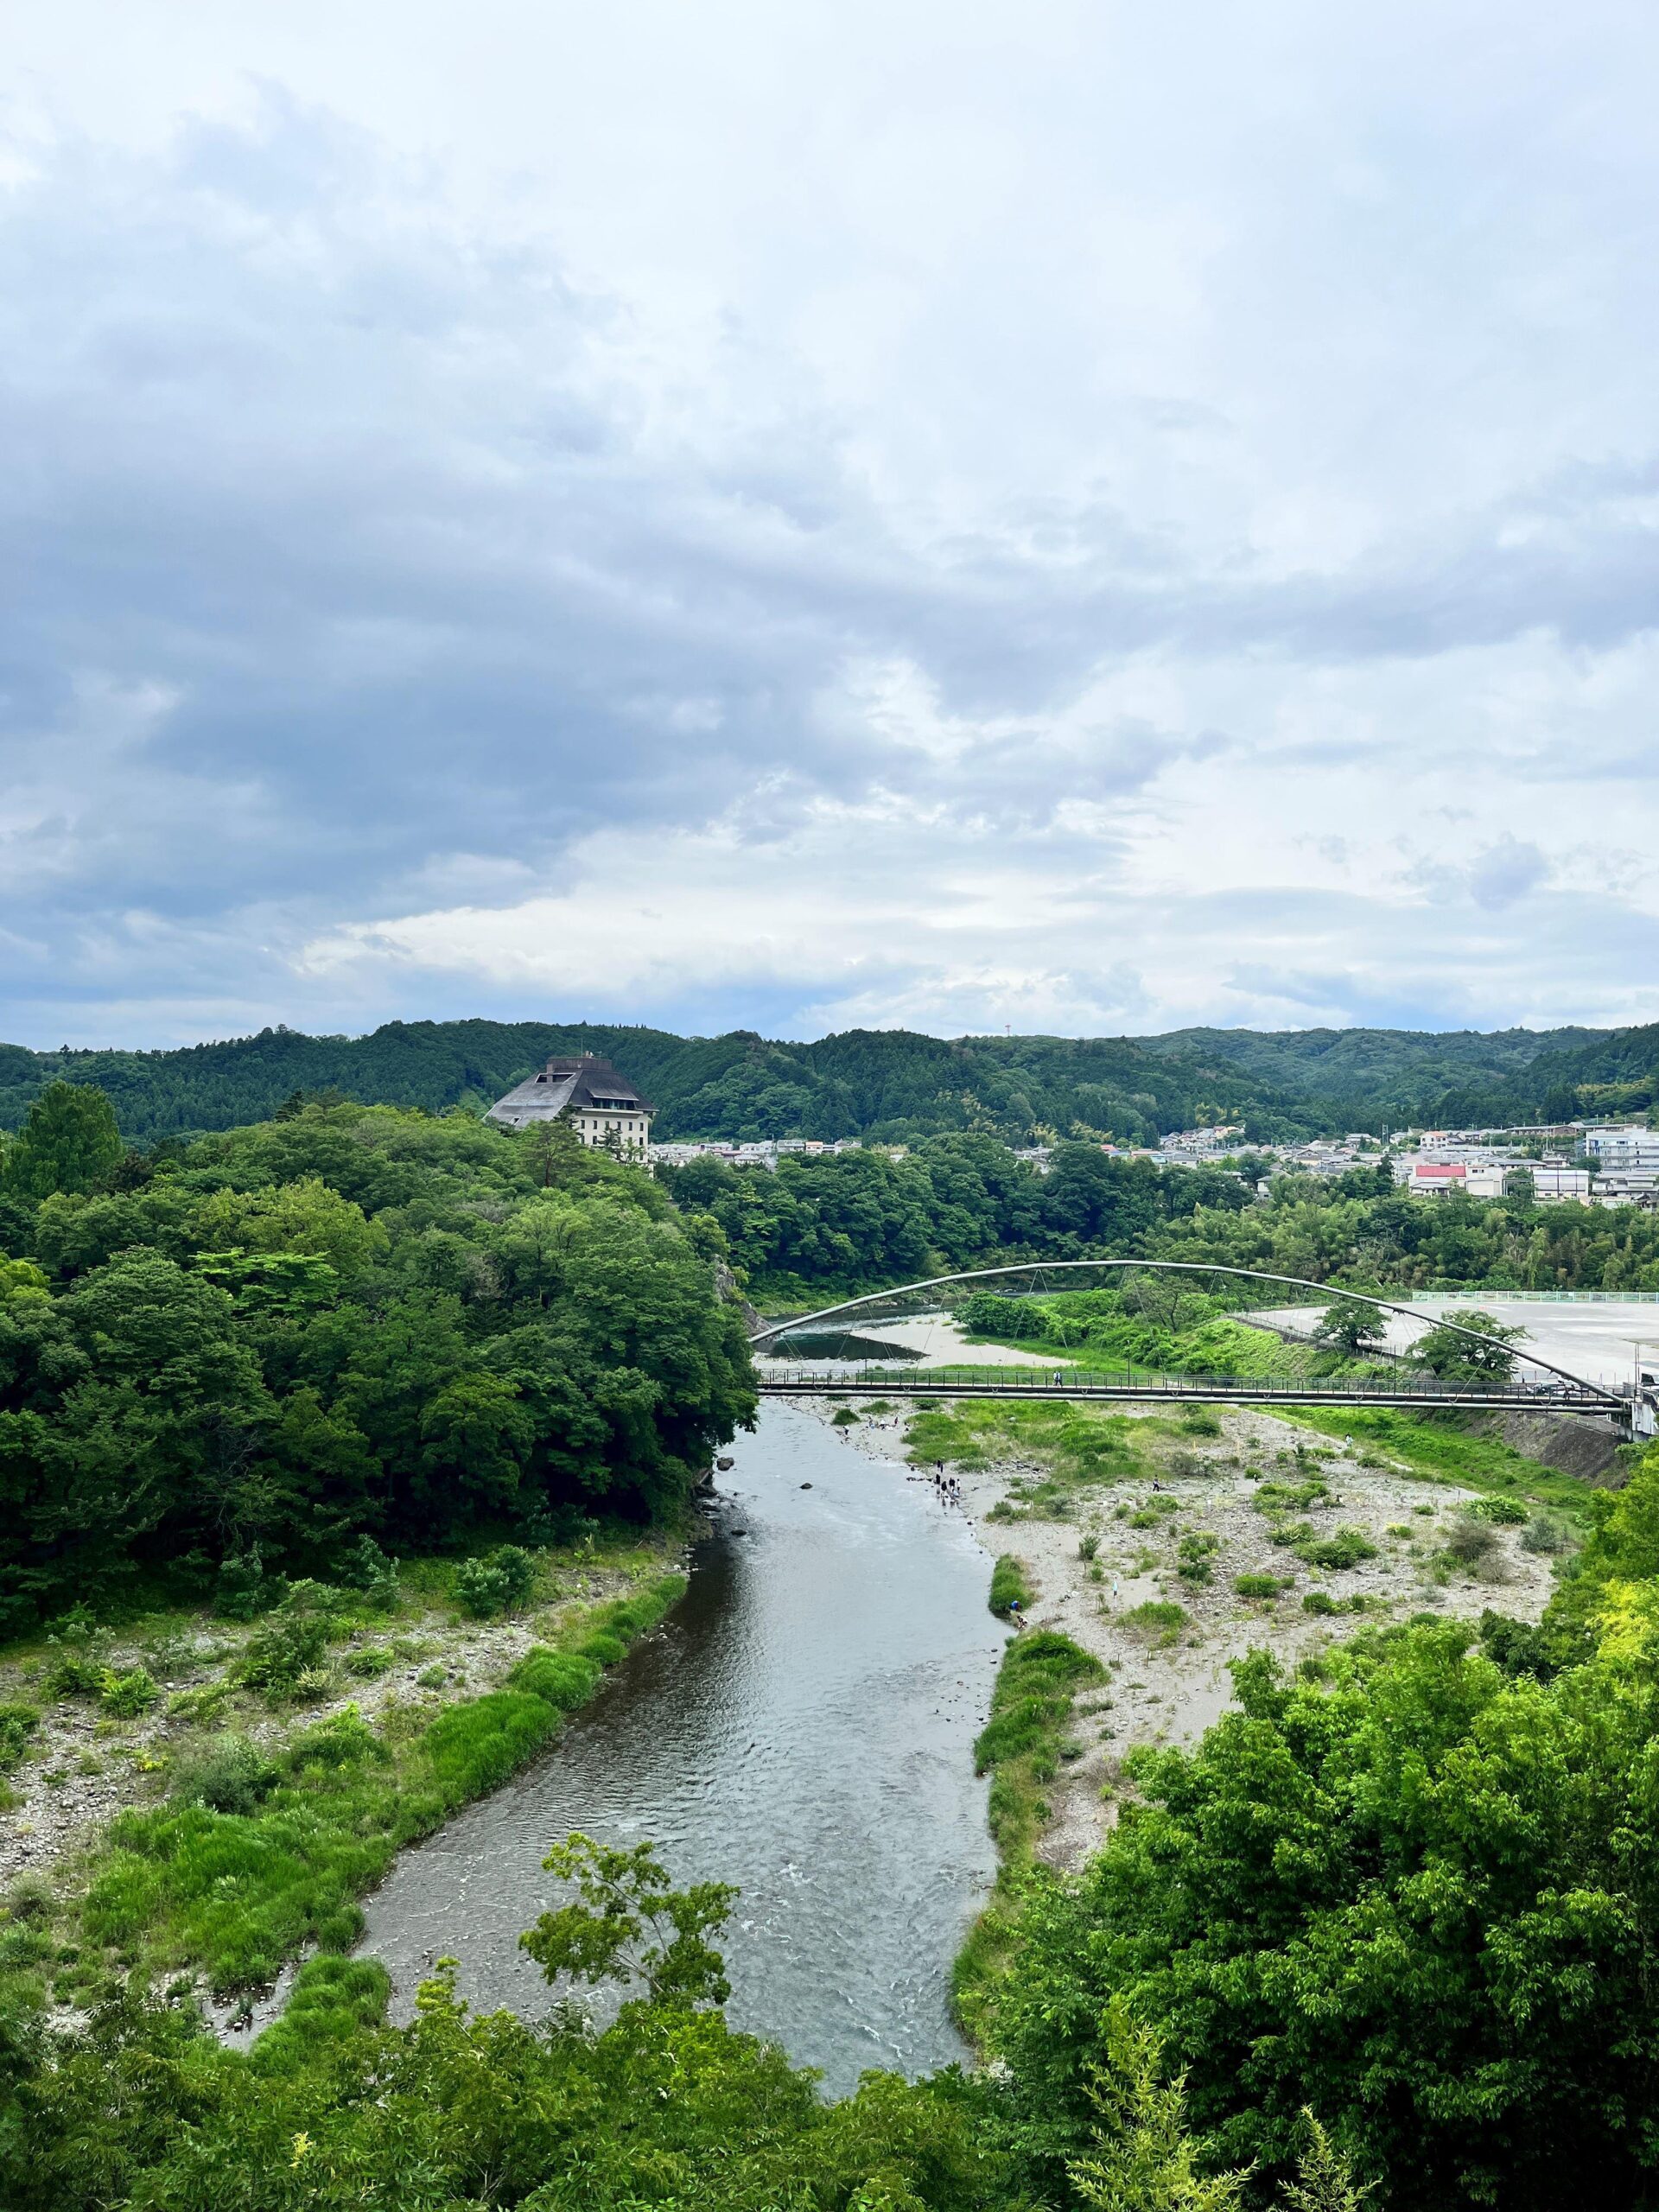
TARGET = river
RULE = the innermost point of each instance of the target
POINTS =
(803, 1726)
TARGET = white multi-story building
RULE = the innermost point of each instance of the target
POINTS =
(601, 1106)
(1631, 1147)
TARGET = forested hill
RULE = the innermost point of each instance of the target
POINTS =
(893, 1084)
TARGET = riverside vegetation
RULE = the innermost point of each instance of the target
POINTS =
(1388, 1928)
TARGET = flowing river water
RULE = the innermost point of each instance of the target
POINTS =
(803, 1726)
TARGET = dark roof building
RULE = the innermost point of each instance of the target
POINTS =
(601, 1106)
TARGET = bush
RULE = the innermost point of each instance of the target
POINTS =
(292, 1644)
(497, 1584)
(1505, 1512)
(1258, 1586)
(1200, 1421)
(1542, 1534)
(125, 1696)
(243, 1590)
(17, 1724)
(345, 1739)
(843, 1417)
(1010, 1589)
(1196, 1557)
(1158, 1623)
(1470, 1540)
(367, 1568)
(233, 1776)
(1087, 1547)
(1346, 1548)
(1321, 1602)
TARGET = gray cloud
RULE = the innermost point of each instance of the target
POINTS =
(383, 548)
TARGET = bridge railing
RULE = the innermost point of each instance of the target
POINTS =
(1072, 1382)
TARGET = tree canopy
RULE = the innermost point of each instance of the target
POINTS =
(353, 1319)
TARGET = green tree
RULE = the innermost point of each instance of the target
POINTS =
(1352, 1328)
(1456, 1357)
(69, 1142)
(1419, 1894)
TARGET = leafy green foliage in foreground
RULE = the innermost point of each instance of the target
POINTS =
(332, 2112)
(1419, 1894)
(349, 1321)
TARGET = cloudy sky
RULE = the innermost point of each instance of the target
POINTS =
(1092, 517)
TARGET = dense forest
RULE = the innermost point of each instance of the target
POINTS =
(253, 1353)
(834, 1223)
(893, 1084)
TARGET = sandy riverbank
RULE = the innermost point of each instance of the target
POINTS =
(1167, 1686)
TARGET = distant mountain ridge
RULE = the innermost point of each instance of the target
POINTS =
(894, 1084)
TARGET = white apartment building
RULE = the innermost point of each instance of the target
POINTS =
(1626, 1148)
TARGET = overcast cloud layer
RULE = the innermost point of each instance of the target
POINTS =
(1091, 518)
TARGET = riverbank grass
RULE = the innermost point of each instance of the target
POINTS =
(261, 1852)
(1021, 1747)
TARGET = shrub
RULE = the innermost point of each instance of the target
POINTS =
(1292, 1532)
(125, 1696)
(345, 1740)
(1319, 1601)
(233, 1776)
(1470, 1540)
(1009, 1588)
(1346, 1548)
(1290, 1497)
(1196, 1557)
(1187, 1464)
(1505, 1512)
(293, 1640)
(373, 1659)
(1158, 1623)
(1158, 1507)
(495, 1584)
(1541, 1533)
(843, 1417)
(243, 1590)
(1087, 1547)
(1200, 1421)
(367, 1568)
(1258, 1586)
(17, 1724)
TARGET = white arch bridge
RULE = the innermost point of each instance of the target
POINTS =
(1533, 1384)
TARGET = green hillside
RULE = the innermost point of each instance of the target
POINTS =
(893, 1083)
